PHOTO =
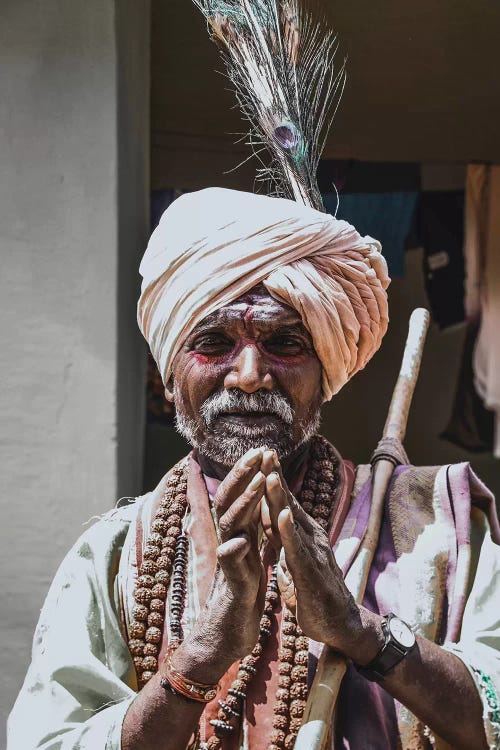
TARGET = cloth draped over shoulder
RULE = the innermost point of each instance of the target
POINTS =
(437, 565)
(213, 245)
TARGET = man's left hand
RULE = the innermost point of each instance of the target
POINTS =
(326, 610)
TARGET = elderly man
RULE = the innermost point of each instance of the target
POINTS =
(173, 622)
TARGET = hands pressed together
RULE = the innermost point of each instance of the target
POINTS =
(255, 492)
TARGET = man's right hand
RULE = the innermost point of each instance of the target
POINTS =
(228, 629)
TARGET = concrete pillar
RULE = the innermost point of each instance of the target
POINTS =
(74, 156)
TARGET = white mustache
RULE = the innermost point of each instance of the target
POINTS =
(234, 400)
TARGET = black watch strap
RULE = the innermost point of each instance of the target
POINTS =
(391, 653)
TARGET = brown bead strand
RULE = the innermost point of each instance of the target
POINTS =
(292, 683)
(281, 718)
(320, 484)
(317, 497)
(150, 593)
(232, 705)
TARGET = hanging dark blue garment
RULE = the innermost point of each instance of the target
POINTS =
(385, 216)
(159, 201)
(439, 228)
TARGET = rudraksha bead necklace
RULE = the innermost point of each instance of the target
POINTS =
(165, 551)
(165, 561)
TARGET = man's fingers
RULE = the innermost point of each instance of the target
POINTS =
(292, 501)
(295, 552)
(239, 561)
(287, 529)
(277, 498)
(268, 461)
(270, 530)
(265, 516)
(234, 550)
(237, 480)
(231, 556)
(238, 517)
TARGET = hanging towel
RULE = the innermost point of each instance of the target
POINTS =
(482, 252)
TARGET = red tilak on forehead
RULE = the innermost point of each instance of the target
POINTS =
(256, 308)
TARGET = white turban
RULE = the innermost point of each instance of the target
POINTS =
(213, 245)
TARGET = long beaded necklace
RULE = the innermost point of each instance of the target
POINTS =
(165, 544)
(165, 560)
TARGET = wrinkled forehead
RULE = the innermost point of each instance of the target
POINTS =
(257, 305)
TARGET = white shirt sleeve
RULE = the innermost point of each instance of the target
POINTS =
(80, 682)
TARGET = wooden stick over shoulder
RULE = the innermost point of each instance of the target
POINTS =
(318, 713)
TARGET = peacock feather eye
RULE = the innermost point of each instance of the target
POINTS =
(286, 136)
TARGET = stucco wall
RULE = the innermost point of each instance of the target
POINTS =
(61, 91)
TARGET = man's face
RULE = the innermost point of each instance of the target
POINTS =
(248, 376)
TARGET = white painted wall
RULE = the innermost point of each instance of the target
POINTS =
(63, 84)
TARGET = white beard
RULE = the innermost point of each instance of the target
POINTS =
(225, 442)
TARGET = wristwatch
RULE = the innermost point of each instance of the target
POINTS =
(399, 641)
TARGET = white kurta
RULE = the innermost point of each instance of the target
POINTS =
(81, 679)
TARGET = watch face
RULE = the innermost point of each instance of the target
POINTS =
(401, 632)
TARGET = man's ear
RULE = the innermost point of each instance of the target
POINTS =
(169, 391)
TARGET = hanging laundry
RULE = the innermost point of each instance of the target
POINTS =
(471, 425)
(377, 197)
(385, 216)
(482, 282)
(439, 230)
(476, 220)
(482, 251)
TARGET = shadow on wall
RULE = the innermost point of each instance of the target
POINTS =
(354, 419)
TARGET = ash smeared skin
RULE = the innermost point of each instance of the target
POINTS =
(255, 348)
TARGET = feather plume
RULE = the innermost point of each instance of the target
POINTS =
(281, 63)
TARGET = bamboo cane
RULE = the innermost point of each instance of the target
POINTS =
(314, 733)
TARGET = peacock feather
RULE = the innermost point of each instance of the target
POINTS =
(281, 63)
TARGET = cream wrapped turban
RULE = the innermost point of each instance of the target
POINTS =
(213, 245)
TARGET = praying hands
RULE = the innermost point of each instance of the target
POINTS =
(326, 610)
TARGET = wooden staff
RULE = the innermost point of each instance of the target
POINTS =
(314, 733)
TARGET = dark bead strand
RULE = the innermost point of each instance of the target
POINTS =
(178, 596)
(231, 706)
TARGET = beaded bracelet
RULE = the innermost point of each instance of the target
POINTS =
(207, 691)
(195, 691)
(178, 684)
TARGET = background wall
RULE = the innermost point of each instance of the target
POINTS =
(66, 232)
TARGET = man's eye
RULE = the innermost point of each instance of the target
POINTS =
(285, 345)
(212, 343)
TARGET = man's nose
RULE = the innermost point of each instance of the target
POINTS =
(249, 372)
